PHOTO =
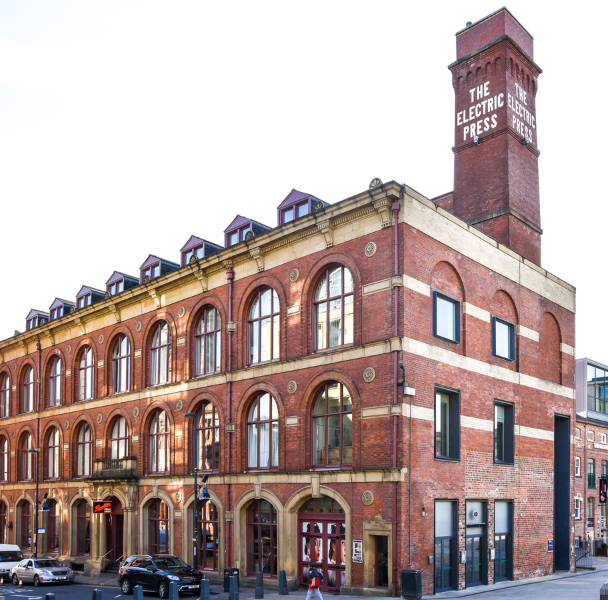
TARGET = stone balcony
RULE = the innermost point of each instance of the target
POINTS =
(110, 469)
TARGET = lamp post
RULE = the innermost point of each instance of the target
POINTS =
(194, 464)
(37, 453)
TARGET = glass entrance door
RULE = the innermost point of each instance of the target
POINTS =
(476, 553)
(474, 560)
(503, 542)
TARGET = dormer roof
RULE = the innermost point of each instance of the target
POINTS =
(60, 302)
(37, 313)
(195, 241)
(153, 259)
(117, 276)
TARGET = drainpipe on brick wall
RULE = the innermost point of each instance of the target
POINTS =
(39, 399)
(395, 208)
(229, 524)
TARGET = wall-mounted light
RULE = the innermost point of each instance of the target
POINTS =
(423, 511)
(526, 141)
(476, 140)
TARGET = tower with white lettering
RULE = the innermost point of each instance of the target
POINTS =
(495, 80)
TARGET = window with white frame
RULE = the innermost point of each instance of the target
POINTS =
(577, 466)
(602, 438)
(577, 434)
(577, 508)
(590, 436)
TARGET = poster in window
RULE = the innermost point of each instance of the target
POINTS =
(358, 551)
(332, 551)
(602, 491)
(306, 549)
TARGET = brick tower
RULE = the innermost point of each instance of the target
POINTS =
(495, 80)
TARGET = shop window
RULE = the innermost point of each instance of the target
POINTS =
(262, 539)
(5, 396)
(119, 441)
(504, 433)
(332, 426)
(208, 342)
(121, 364)
(263, 327)
(160, 354)
(52, 451)
(85, 374)
(27, 394)
(208, 437)
(263, 433)
(503, 339)
(333, 308)
(84, 451)
(158, 461)
(83, 528)
(447, 424)
(446, 317)
(158, 527)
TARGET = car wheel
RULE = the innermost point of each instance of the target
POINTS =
(36, 581)
(163, 590)
(126, 587)
(15, 579)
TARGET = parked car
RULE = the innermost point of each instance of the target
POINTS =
(41, 570)
(10, 556)
(155, 572)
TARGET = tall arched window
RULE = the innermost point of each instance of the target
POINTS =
(3, 458)
(2, 522)
(158, 527)
(26, 464)
(159, 443)
(55, 382)
(85, 374)
(263, 433)
(333, 308)
(120, 439)
(208, 535)
(208, 437)
(52, 527)
(52, 466)
(121, 357)
(5, 396)
(263, 330)
(83, 528)
(332, 426)
(160, 354)
(84, 451)
(28, 390)
(262, 538)
(208, 342)
(25, 517)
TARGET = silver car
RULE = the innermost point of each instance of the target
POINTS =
(41, 570)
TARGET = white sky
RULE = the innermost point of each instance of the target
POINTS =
(126, 127)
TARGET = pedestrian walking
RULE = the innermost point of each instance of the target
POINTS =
(316, 579)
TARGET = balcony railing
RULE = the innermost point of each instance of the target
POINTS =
(121, 468)
(591, 480)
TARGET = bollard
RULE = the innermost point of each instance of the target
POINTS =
(96, 594)
(173, 591)
(138, 593)
(205, 593)
(283, 591)
(259, 586)
(233, 594)
(604, 591)
(49, 596)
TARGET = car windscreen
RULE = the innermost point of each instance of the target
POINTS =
(169, 562)
(48, 563)
(11, 556)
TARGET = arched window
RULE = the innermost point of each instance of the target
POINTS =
(85, 374)
(52, 468)
(208, 437)
(52, 527)
(208, 342)
(3, 458)
(120, 439)
(83, 528)
(2, 522)
(333, 308)
(25, 516)
(28, 390)
(84, 451)
(158, 527)
(263, 433)
(121, 357)
(160, 354)
(208, 535)
(332, 426)
(262, 538)
(26, 469)
(55, 382)
(263, 330)
(159, 443)
(5, 396)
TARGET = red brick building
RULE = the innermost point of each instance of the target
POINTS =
(381, 383)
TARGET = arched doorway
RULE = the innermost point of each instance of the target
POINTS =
(2, 522)
(208, 535)
(322, 542)
(262, 539)
(114, 531)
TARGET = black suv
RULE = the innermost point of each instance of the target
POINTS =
(156, 572)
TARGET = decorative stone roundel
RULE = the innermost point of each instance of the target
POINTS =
(179, 405)
(367, 497)
(370, 249)
(292, 386)
(178, 496)
(136, 412)
(138, 326)
(66, 425)
(317, 206)
(68, 349)
(101, 339)
(65, 496)
(369, 374)
(13, 433)
(182, 311)
(99, 418)
(293, 276)
(12, 497)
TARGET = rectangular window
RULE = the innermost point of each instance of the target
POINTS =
(604, 468)
(503, 540)
(504, 433)
(577, 466)
(503, 339)
(590, 436)
(602, 438)
(446, 317)
(577, 434)
(447, 424)
(446, 546)
(590, 473)
(590, 507)
(303, 209)
(288, 215)
(597, 397)
(577, 508)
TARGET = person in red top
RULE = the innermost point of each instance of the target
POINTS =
(316, 579)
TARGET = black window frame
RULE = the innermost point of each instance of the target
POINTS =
(454, 425)
(453, 541)
(509, 433)
(511, 326)
(457, 310)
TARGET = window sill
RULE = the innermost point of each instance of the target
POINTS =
(444, 339)
(511, 360)
(262, 470)
(447, 459)
(347, 467)
(504, 464)
(333, 348)
(266, 362)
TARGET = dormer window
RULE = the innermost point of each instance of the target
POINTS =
(119, 282)
(198, 252)
(116, 287)
(296, 205)
(35, 318)
(295, 212)
(151, 272)
(238, 235)
(59, 308)
(56, 313)
(154, 267)
(237, 231)
(197, 248)
(31, 323)
(87, 296)
(83, 301)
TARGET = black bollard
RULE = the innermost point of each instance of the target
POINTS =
(138, 593)
(259, 586)
(173, 591)
(205, 593)
(234, 588)
(96, 594)
(49, 596)
(283, 591)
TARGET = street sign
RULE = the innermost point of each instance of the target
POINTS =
(41, 530)
(550, 546)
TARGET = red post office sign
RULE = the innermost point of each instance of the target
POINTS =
(102, 507)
